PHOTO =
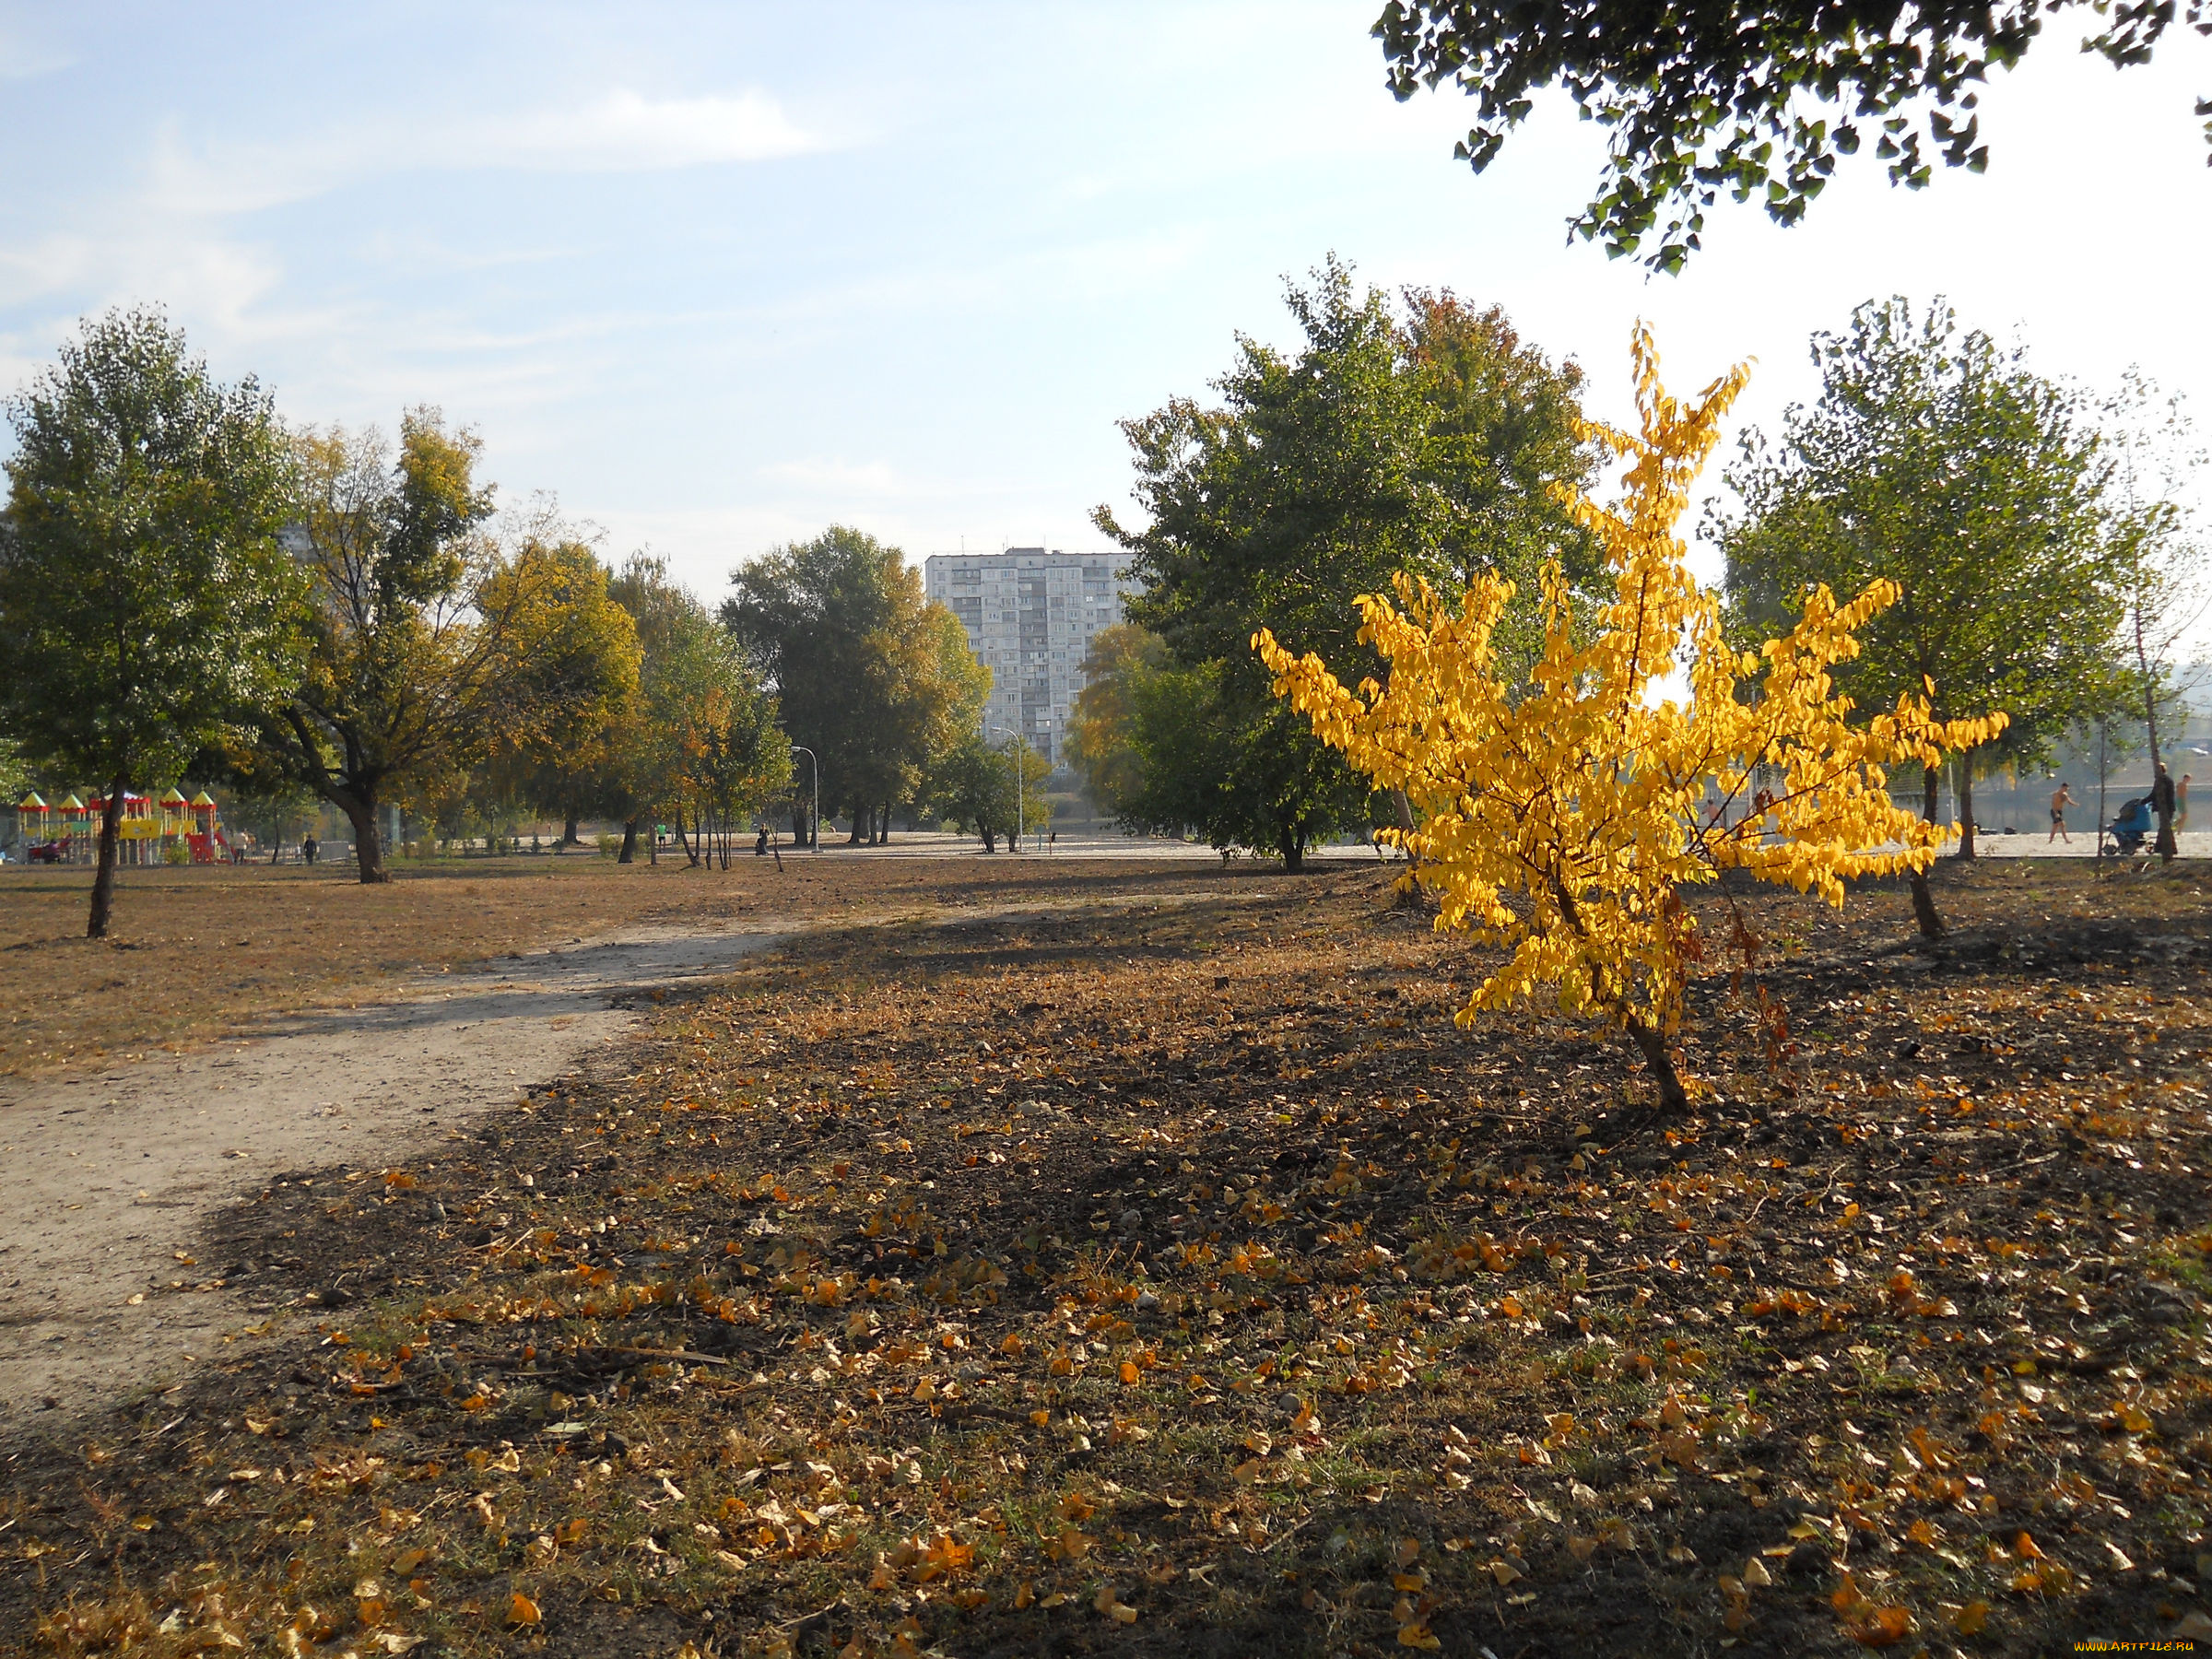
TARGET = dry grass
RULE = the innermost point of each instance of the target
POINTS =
(195, 951)
(1154, 1268)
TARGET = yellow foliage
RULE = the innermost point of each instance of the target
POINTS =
(1558, 818)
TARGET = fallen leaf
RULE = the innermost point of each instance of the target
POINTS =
(522, 1610)
(1967, 1620)
(1112, 1606)
(1878, 1627)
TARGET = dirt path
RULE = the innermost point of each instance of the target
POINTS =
(107, 1182)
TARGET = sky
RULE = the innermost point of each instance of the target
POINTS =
(720, 276)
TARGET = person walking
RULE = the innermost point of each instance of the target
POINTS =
(2063, 799)
(307, 849)
(2161, 803)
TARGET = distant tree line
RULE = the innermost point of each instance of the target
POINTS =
(2046, 568)
(189, 587)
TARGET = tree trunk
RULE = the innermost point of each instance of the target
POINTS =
(1402, 809)
(690, 856)
(104, 879)
(1966, 806)
(1293, 848)
(1651, 1041)
(368, 847)
(629, 843)
(1923, 906)
(568, 837)
(990, 838)
(859, 827)
(1924, 898)
(886, 823)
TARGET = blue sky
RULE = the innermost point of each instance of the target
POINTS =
(720, 275)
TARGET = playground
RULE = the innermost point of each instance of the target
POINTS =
(170, 829)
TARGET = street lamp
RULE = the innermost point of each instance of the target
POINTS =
(1019, 790)
(814, 824)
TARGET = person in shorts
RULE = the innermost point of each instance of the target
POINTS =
(2060, 801)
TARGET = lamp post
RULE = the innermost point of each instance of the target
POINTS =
(1019, 782)
(814, 824)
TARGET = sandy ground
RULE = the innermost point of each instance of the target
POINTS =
(106, 1181)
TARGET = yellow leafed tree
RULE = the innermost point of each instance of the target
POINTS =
(1559, 818)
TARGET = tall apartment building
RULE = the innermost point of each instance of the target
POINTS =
(1030, 617)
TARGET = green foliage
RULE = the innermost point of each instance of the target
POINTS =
(972, 787)
(1239, 771)
(639, 758)
(1429, 446)
(873, 678)
(1102, 729)
(146, 607)
(1938, 461)
(2158, 562)
(435, 648)
(1698, 100)
(15, 776)
(1505, 437)
(737, 758)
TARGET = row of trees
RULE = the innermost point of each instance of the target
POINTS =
(2042, 563)
(188, 588)
(2034, 530)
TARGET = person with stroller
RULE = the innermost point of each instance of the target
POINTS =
(2132, 825)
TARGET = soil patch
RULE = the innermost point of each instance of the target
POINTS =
(1152, 1265)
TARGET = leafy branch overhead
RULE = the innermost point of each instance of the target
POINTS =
(1756, 99)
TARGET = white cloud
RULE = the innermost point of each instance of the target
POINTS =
(625, 133)
(622, 132)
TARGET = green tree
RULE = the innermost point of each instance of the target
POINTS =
(1101, 728)
(146, 606)
(434, 647)
(1506, 438)
(735, 757)
(2158, 562)
(679, 641)
(1758, 100)
(1939, 461)
(1430, 446)
(1239, 772)
(974, 787)
(873, 678)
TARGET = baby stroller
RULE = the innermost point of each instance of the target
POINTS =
(2131, 825)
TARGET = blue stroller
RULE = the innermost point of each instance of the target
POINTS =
(2131, 825)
